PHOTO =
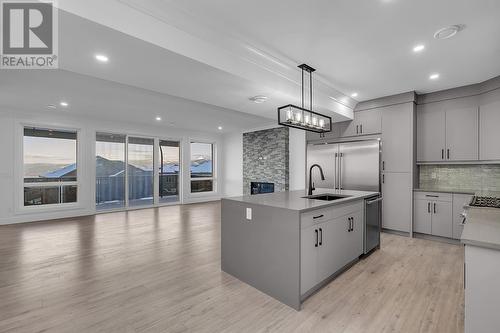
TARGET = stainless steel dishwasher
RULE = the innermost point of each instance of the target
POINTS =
(373, 218)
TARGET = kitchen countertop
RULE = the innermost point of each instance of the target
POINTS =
(482, 193)
(294, 200)
(471, 192)
(482, 228)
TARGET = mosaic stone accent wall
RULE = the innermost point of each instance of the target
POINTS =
(266, 158)
(484, 178)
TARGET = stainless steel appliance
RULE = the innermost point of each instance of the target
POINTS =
(351, 166)
(490, 202)
(373, 223)
(346, 166)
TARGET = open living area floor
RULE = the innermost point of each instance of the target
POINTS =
(158, 270)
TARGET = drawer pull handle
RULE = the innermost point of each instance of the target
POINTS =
(318, 217)
(432, 196)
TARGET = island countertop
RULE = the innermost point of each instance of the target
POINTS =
(294, 200)
(482, 228)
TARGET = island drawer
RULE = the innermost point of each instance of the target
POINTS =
(325, 214)
(316, 216)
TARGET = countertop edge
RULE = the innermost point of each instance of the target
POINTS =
(484, 245)
(444, 191)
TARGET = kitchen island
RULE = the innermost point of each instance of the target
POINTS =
(289, 245)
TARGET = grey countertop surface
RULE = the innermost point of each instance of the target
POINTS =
(294, 200)
(482, 228)
(484, 193)
(471, 192)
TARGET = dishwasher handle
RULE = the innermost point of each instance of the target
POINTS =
(374, 200)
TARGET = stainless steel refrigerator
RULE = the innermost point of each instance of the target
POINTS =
(351, 166)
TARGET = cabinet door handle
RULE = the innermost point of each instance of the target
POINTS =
(316, 231)
(348, 224)
(428, 207)
(318, 217)
(434, 208)
(320, 236)
(442, 154)
(383, 165)
(352, 223)
(361, 128)
(448, 153)
(383, 179)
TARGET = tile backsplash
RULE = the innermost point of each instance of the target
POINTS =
(266, 158)
(484, 178)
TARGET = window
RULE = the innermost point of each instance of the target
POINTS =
(140, 171)
(202, 175)
(110, 171)
(50, 166)
(168, 178)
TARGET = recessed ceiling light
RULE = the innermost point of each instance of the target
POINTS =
(219, 128)
(258, 99)
(354, 94)
(101, 58)
(419, 48)
(448, 32)
(158, 118)
(64, 104)
(434, 76)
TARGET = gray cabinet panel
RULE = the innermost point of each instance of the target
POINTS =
(441, 219)
(459, 201)
(431, 132)
(356, 236)
(368, 122)
(308, 259)
(462, 130)
(332, 250)
(397, 203)
(397, 139)
(489, 130)
(422, 216)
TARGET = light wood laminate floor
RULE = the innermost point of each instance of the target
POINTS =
(158, 270)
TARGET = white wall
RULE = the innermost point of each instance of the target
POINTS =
(232, 164)
(297, 159)
(232, 170)
(11, 168)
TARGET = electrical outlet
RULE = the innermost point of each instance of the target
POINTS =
(249, 213)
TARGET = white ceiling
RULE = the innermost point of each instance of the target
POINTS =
(366, 46)
(221, 52)
(34, 90)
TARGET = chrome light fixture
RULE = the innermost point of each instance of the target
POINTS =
(300, 117)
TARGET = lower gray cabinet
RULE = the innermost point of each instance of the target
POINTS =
(328, 246)
(397, 203)
(442, 219)
(437, 214)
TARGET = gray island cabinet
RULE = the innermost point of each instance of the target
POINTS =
(288, 246)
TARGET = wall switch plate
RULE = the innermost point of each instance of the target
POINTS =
(249, 213)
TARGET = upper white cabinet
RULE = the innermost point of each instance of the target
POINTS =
(448, 130)
(397, 138)
(489, 121)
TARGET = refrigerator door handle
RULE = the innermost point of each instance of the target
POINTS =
(336, 179)
(340, 170)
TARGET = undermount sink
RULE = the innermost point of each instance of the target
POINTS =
(326, 197)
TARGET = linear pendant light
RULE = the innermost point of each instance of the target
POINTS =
(299, 117)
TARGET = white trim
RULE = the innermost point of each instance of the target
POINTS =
(19, 184)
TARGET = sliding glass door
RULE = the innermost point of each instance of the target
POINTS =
(110, 171)
(168, 171)
(140, 171)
